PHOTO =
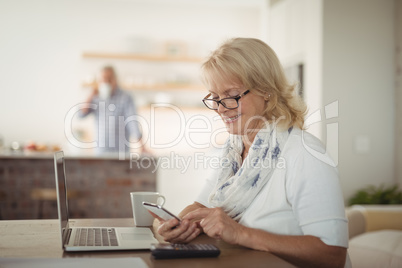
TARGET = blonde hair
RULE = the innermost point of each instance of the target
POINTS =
(253, 64)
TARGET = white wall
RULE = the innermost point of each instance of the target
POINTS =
(41, 43)
(358, 71)
(398, 92)
(295, 33)
(348, 51)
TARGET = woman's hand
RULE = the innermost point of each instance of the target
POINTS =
(174, 232)
(217, 224)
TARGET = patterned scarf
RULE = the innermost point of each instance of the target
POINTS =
(236, 188)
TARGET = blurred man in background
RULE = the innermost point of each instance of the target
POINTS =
(116, 124)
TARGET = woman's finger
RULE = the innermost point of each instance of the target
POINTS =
(184, 236)
(167, 226)
(196, 232)
(197, 214)
(169, 233)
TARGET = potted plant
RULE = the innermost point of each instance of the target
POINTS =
(377, 195)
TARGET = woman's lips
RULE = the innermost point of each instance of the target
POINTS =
(232, 119)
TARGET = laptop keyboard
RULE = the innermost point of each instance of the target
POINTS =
(95, 237)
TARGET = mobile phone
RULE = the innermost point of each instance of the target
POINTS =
(160, 211)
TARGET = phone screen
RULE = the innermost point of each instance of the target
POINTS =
(160, 211)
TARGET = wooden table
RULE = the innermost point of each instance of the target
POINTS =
(41, 238)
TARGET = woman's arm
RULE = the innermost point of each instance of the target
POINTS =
(302, 251)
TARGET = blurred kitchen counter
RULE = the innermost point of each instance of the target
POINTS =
(99, 185)
(8, 154)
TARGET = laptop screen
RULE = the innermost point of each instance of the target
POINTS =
(61, 188)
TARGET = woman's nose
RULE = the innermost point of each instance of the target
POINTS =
(221, 108)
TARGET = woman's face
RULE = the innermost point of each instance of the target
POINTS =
(247, 117)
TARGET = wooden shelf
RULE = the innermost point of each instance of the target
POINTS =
(128, 56)
(157, 87)
(167, 87)
(192, 109)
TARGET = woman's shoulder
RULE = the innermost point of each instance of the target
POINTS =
(304, 138)
(299, 137)
(303, 144)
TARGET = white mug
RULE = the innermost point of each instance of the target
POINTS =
(104, 90)
(141, 215)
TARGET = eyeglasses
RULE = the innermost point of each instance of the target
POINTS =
(228, 103)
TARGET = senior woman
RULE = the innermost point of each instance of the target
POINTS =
(271, 194)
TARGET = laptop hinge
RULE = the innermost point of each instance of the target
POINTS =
(66, 236)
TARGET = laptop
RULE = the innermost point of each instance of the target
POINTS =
(94, 238)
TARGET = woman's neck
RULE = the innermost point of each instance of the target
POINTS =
(248, 139)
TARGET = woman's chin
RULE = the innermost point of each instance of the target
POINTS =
(233, 130)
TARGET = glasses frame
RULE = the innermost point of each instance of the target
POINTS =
(237, 98)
